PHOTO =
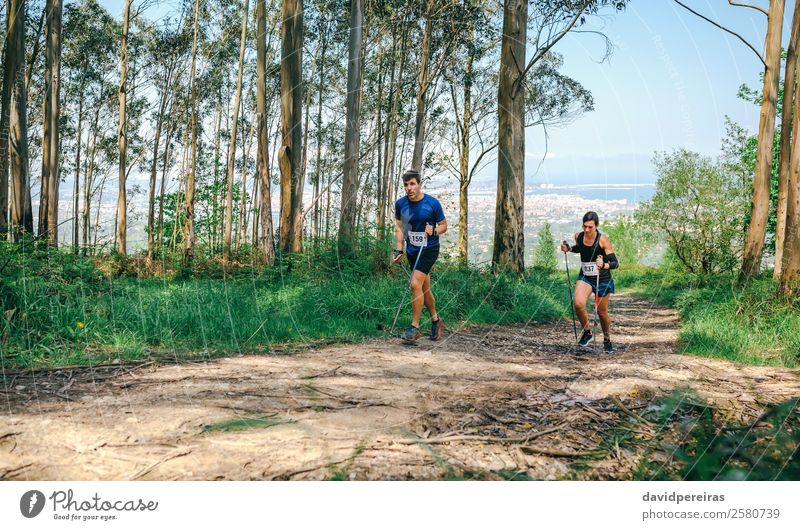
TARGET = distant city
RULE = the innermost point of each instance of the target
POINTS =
(563, 206)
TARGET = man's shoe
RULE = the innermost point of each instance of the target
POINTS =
(412, 334)
(586, 338)
(436, 329)
(607, 346)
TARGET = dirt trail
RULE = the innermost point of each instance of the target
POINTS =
(490, 402)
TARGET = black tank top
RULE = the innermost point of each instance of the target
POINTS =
(589, 254)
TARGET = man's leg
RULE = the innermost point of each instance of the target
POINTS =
(417, 296)
(430, 301)
(582, 292)
(605, 318)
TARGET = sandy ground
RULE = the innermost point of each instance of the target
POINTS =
(485, 403)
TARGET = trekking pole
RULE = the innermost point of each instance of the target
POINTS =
(596, 302)
(571, 300)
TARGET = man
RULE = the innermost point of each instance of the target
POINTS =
(597, 256)
(419, 221)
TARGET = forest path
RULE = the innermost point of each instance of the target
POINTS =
(490, 403)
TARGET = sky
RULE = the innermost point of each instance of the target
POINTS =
(670, 82)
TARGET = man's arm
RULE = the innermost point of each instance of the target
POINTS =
(441, 225)
(399, 236)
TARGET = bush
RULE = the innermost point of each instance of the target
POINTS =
(544, 257)
(697, 207)
(631, 241)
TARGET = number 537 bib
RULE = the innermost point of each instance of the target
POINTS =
(418, 239)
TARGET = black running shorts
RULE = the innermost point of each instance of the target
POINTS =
(426, 259)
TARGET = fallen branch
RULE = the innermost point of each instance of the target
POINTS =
(486, 439)
(7, 473)
(533, 449)
(326, 372)
(150, 468)
(627, 411)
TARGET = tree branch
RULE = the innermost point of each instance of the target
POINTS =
(540, 53)
(731, 2)
(723, 29)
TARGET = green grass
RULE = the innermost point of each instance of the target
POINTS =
(66, 313)
(240, 424)
(694, 444)
(750, 323)
(61, 310)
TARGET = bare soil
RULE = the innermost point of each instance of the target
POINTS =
(488, 403)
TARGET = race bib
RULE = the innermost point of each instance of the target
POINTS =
(589, 268)
(418, 239)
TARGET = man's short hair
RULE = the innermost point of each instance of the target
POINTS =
(412, 174)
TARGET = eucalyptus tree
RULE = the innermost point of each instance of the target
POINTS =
(349, 194)
(550, 22)
(89, 51)
(759, 212)
(290, 152)
(167, 48)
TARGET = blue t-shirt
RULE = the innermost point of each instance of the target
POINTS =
(415, 215)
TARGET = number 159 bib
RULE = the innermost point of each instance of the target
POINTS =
(418, 239)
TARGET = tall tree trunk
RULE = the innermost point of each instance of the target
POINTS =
(379, 191)
(87, 194)
(76, 191)
(97, 212)
(53, 53)
(317, 165)
(4, 195)
(241, 225)
(164, 168)
(759, 212)
(391, 137)
(464, 177)
(232, 147)
(21, 214)
(122, 136)
(5, 118)
(188, 237)
(790, 258)
(44, 182)
(215, 187)
(256, 208)
(422, 90)
(151, 200)
(179, 206)
(88, 181)
(509, 243)
(307, 112)
(784, 171)
(383, 171)
(35, 52)
(290, 153)
(265, 208)
(347, 213)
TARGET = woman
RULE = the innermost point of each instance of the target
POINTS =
(597, 261)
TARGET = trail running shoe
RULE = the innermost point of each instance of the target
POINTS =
(586, 338)
(412, 334)
(607, 346)
(436, 329)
